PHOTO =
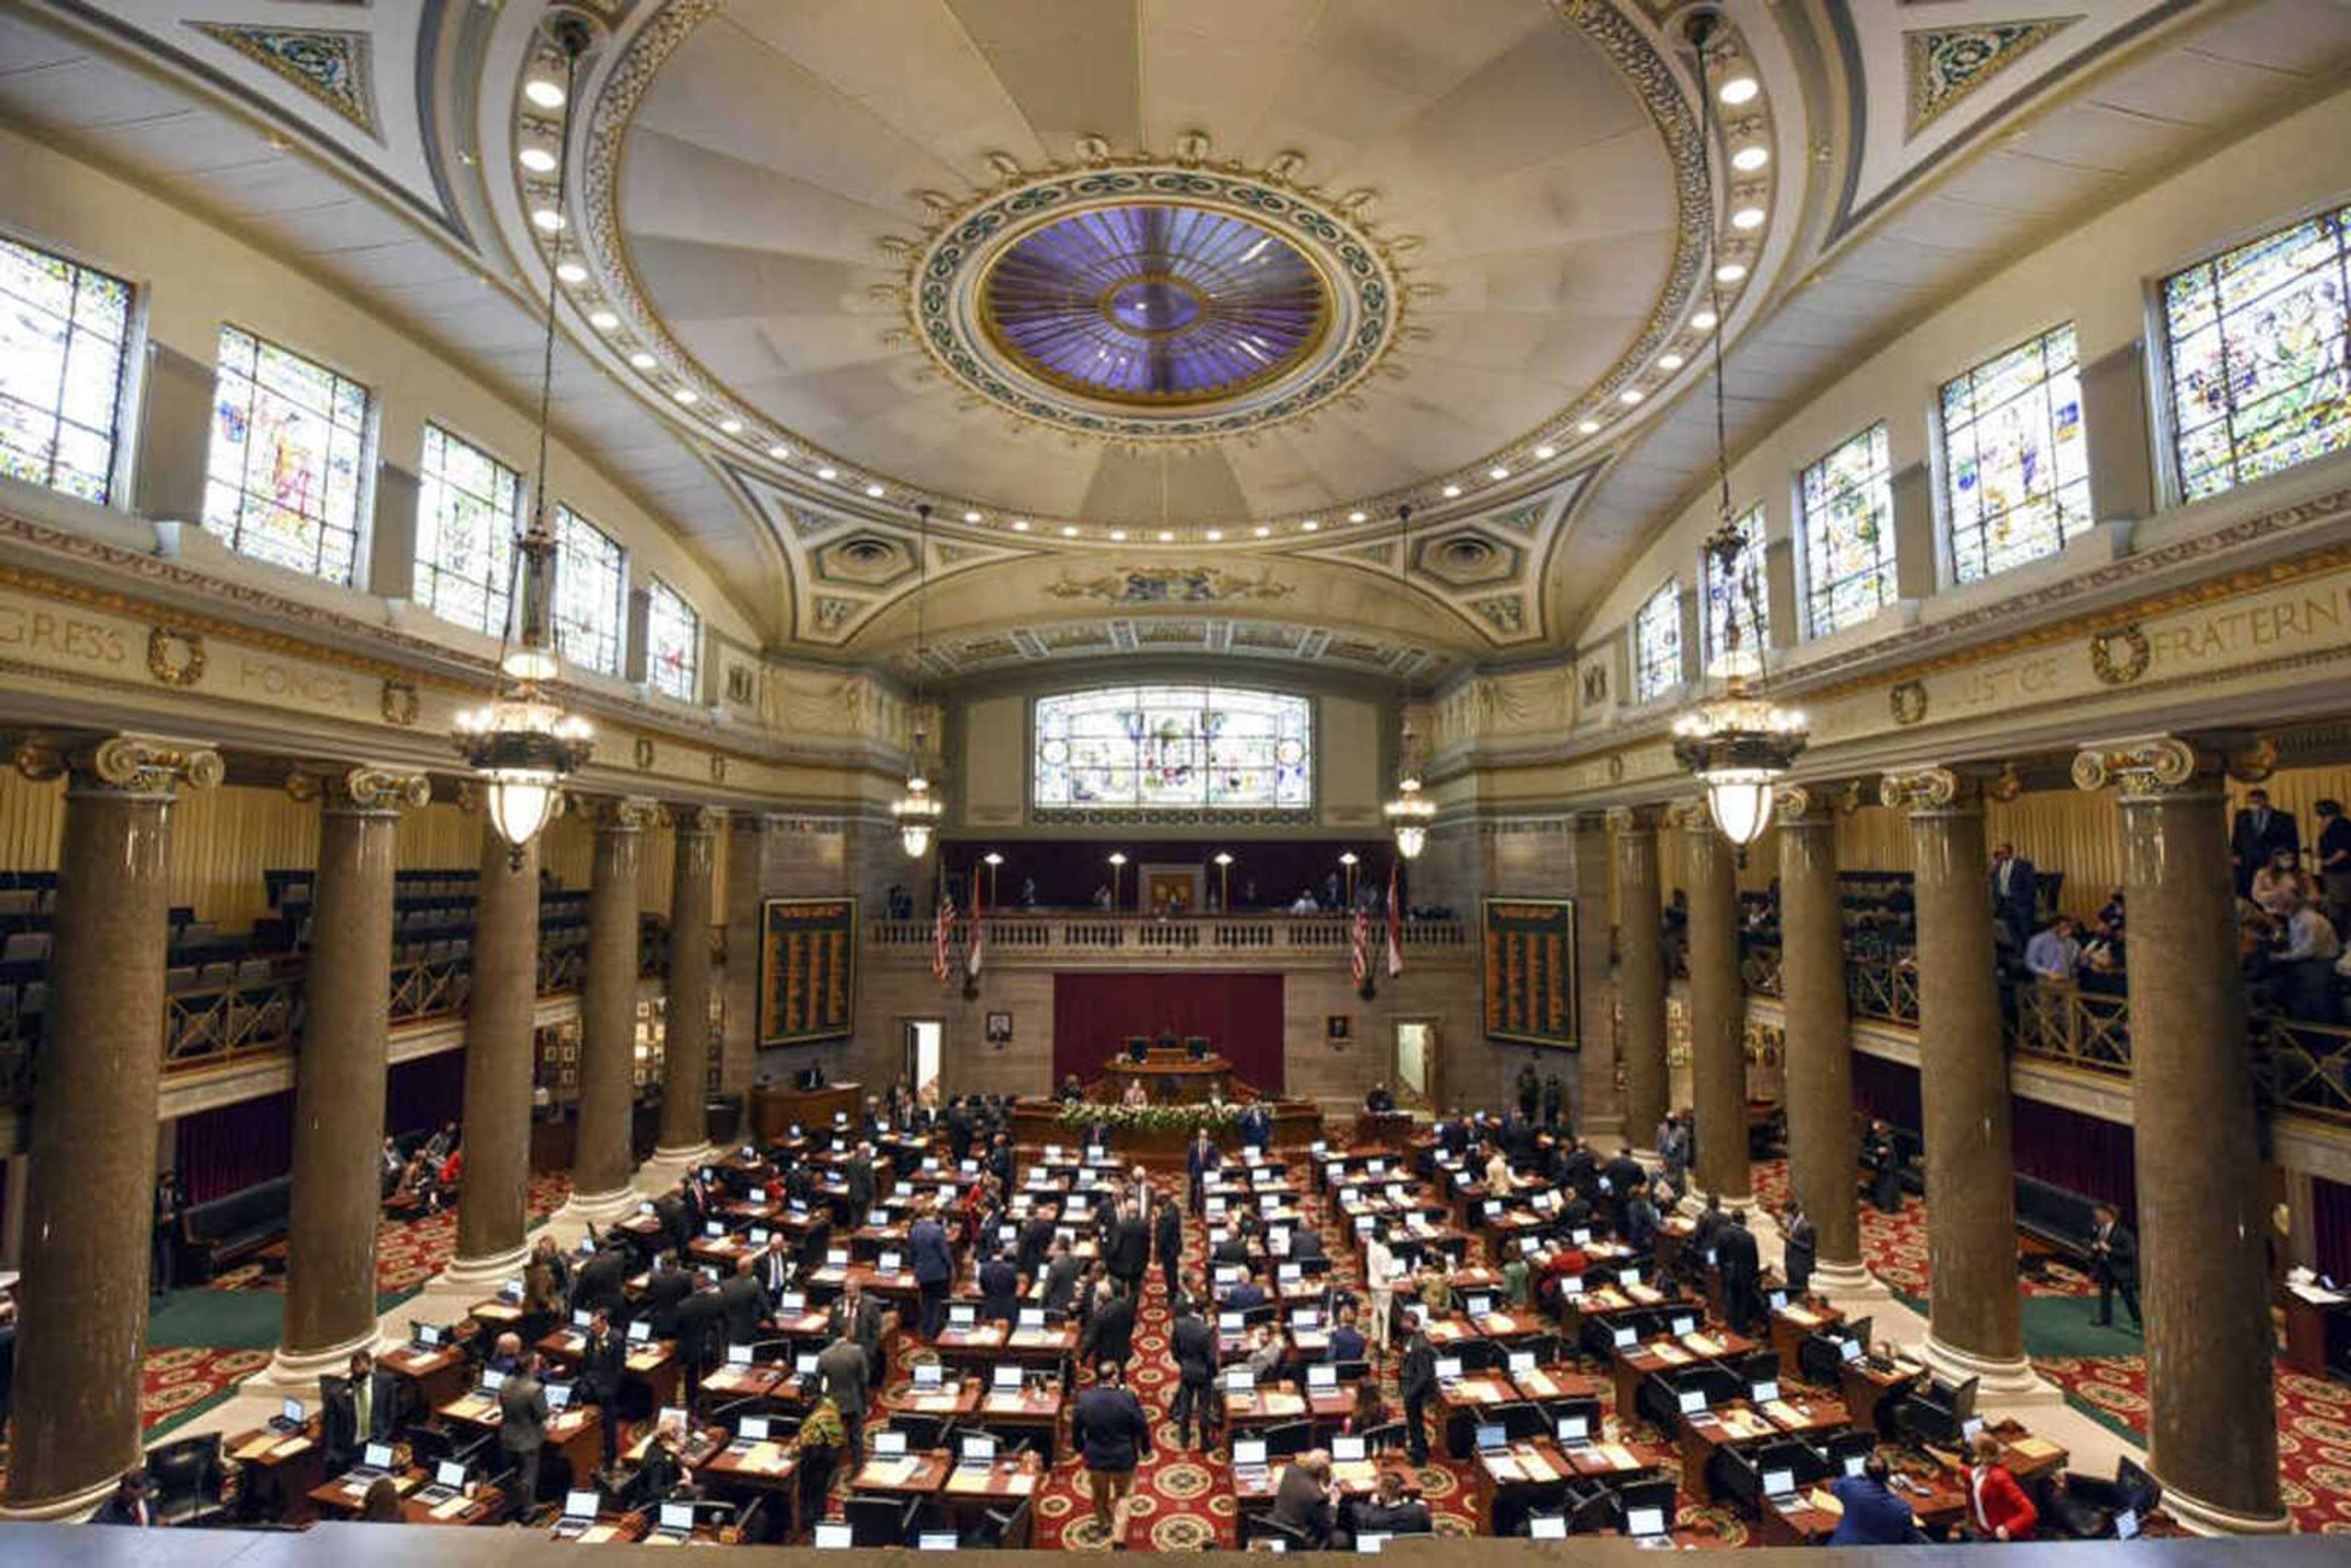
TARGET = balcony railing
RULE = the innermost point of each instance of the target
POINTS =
(1086, 936)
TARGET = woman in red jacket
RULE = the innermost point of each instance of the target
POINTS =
(1997, 1506)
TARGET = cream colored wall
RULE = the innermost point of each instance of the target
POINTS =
(192, 276)
(2097, 277)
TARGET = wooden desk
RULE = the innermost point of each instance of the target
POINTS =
(610, 1529)
(576, 1433)
(1264, 1407)
(1632, 1367)
(1734, 1424)
(1467, 1396)
(960, 1398)
(2317, 1333)
(916, 1475)
(1356, 1478)
(343, 1498)
(1534, 1472)
(1007, 1477)
(280, 1469)
(1866, 1389)
(439, 1375)
(1169, 1077)
(773, 1111)
(1558, 1382)
(1791, 1323)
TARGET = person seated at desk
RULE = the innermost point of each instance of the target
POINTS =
(1235, 1247)
(1307, 1500)
(1379, 1102)
(1133, 1094)
(506, 1355)
(1244, 1293)
(663, 1474)
(1872, 1515)
(1371, 1412)
(1347, 1342)
(1998, 1509)
(1070, 1092)
(1388, 1511)
(382, 1504)
(133, 1502)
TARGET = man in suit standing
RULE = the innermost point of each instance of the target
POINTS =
(2113, 1260)
(1883, 1161)
(701, 1319)
(1200, 1163)
(858, 1175)
(375, 1400)
(603, 1361)
(774, 1269)
(1113, 1435)
(602, 1281)
(1127, 1257)
(1417, 1382)
(1062, 1273)
(742, 1302)
(933, 1269)
(842, 1378)
(522, 1427)
(1256, 1126)
(856, 1318)
(2259, 832)
(1167, 1242)
(1000, 1288)
(1110, 1335)
(1193, 1345)
(1742, 1272)
(665, 1290)
(2015, 894)
(1802, 1251)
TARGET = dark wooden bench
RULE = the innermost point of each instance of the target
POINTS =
(225, 1230)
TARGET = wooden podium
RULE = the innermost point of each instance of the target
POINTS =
(1169, 1077)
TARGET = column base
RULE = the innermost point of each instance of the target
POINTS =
(2211, 1519)
(492, 1270)
(1694, 1203)
(597, 1207)
(2003, 1380)
(297, 1371)
(1849, 1281)
(72, 1505)
(666, 1165)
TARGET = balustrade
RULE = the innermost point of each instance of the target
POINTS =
(1086, 936)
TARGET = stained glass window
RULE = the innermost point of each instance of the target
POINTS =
(283, 475)
(589, 593)
(673, 643)
(1657, 645)
(1744, 592)
(2260, 377)
(2016, 476)
(1848, 505)
(64, 334)
(467, 513)
(1201, 748)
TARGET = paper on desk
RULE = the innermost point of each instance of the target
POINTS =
(1675, 1355)
(1787, 1415)
(2036, 1447)
(596, 1534)
(1536, 1468)
(889, 1472)
(1704, 1345)
(452, 1506)
(257, 1447)
(1825, 1500)
(1617, 1455)
(765, 1458)
(1803, 1316)
(1502, 1467)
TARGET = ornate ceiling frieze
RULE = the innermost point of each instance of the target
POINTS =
(332, 65)
(1943, 65)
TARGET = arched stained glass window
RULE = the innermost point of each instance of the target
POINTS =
(2016, 476)
(1150, 747)
(1848, 506)
(1657, 645)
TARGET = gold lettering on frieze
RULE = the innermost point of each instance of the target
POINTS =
(60, 636)
(2313, 614)
(273, 679)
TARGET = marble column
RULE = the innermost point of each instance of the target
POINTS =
(82, 1301)
(1640, 971)
(603, 1158)
(1975, 1325)
(1821, 1152)
(2211, 1412)
(685, 1039)
(499, 1048)
(340, 1072)
(1717, 1011)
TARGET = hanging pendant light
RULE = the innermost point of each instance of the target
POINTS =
(1408, 813)
(1739, 743)
(918, 810)
(522, 745)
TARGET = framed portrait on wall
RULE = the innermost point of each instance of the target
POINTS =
(1338, 1027)
(999, 1030)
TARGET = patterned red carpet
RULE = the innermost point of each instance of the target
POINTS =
(1894, 1245)
(409, 1251)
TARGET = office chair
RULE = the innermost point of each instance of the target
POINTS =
(1010, 1528)
(1761, 1366)
(924, 1433)
(1558, 1410)
(1265, 1527)
(189, 1479)
(1287, 1437)
(1592, 1509)
(1520, 1418)
(881, 1520)
(1383, 1438)
(1663, 1495)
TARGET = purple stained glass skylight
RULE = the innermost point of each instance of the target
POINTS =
(1154, 304)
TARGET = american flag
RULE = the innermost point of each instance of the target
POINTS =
(941, 930)
(1395, 926)
(1361, 944)
(978, 929)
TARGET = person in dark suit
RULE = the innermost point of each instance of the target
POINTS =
(602, 1281)
(1623, 1178)
(1194, 1345)
(666, 1289)
(774, 1268)
(1000, 1288)
(1201, 1162)
(1062, 1274)
(1388, 1511)
(999, 1161)
(1245, 1292)
(1110, 1334)
(1127, 1254)
(2260, 832)
(522, 1427)
(743, 1302)
(1530, 1096)
(1167, 1242)
(1417, 1382)
(1113, 1435)
(1641, 1218)
(1347, 1342)
(132, 1503)
(1872, 1515)
(2015, 894)
(857, 1317)
(2114, 1260)
(1802, 1251)
(1305, 1244)
(1036, 1242)
(1306, 1501)
(604, 1363)
(375, 1400)
(1256, 1126)
(1705, 1235)
(701, 1323)
(676, 1222)
(933, 1269)
(858, 1175)
(841, 1377)
(1883, 1161)
(1742, 1273)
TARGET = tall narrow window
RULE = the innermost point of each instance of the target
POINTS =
(1848, 505)
(2260, 380)
(466, 511)
(1745, 592)
(64, 334)
(673, 643)
(2016, 476)
(589, 593)
(283, 475)
(1657, 645)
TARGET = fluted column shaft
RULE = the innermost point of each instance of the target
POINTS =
(1822, 1155)
(1640, 971)
(1718, 1005)
(340, 1072)
(602, 1158)
(1975, 1322)
(685, 1039)
(491, 1216)
(2212, 1415)
(82, 1300)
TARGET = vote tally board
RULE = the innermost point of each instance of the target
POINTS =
(1530, 964)
(807, 969)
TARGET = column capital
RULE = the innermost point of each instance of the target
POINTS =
(369, 788)
(1633, 819)
(617, 813)
(1691, 814)
(1809, 805)
(121, 764)
(687, 817)
(1931, 791)
(2159, 767)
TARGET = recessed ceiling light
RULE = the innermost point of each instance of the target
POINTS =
(1118, 536)
(544, 92)
(1738, 89)
(1069, 533)
(602, 320)
(547, 219)
(1166, 538)
(827, 473)
(731, 426)
(1451, 491)
(1589, 426)
(1020, 525)
(1309, 525)
(1752, 157)
(1629, 396)
(1669, 362)
(1704, 321)
(1261, 531)
(686, 395)
(1730, 272)
(1358, 517)
(1746, 218)
(780, 452)
(537, 159)
(1497, 472)
(1545, 453)
(570, 272)
(875, 491)
(1215, 536)
(642, 360)
(971, 516)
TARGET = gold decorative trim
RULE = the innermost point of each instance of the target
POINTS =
(1927, 789)
(399, 704)
(717, 768)
(694, 819)
(1908, 702)
(1632, 818)
(2253, 762)
(618, 813)
(175, 657)
(1805, 805)
(122, 764)
(2146, 766)
(2119, 654)
(644, 753)
(2006, 786)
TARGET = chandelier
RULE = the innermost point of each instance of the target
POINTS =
(918, 810)
(1410, 813)
(1739, 744)
(522, 745)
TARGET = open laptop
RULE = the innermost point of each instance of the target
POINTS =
(889, 1445)
(448, 1481)
(578, 1514)
(1689, 1401)
(1765, 1391)
(427, 1336)
(1779, 1486)
(1521, 1363)
(937, 1541)
(1645, 1525)
(1573, 1431)
(375, 1460)
(1248, 1460)
(1492, 1437)
(289, 1418)
(750, 1429)
(1005, 1379)
(1370, 1542)
(1448, 1369)
(929, 1377)
(977, 1452)
(833, 1537)
(1348, 1450)
(1547, 1526)
(963, 1315)
(1322, 1375)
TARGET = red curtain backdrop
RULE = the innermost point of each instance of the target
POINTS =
(1887, 1089)
(1240, 1014)
(2330, 1219)
(232, 1147)
(2081, 1154)
(424, 1092)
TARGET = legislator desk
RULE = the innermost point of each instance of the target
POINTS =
(280, 1469)
(1169, 1076)
(2317, 1328)
(776, 1111)
(1037, 1121)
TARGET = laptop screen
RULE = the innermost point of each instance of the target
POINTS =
(1692, 1401)
(978, 1448)
(1347, 1450)
(1239, 1380)
(1521, 1363)
(936, 1540)
(377, 1456)
(1032, 1317)
(1323, 1377)
(1778, 1483)
(1547, 1526)
(963, 1317)
(1448, 1368)
(641, 1332)
(1248, 1451)
(1492, 1437)
(753, 1427)
(290, 1410)
(449, 1473)
(889, 1445)
(833, 1537)
(677, 1516)
(1765, 1391)
(1623, 1338)
(579, 1505)
(1849, 1350)
(558, 1396)
(804, 1362)
(738, 1356)
(1007, 1377)
(1575, 1428)
(1645, 1521)
(1853, 1463)
(1368, 1544)
(927, 1373)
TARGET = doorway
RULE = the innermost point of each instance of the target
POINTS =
(1416, 1075)
(920, 1063)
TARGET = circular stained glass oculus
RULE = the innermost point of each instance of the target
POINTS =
(1154, 304)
